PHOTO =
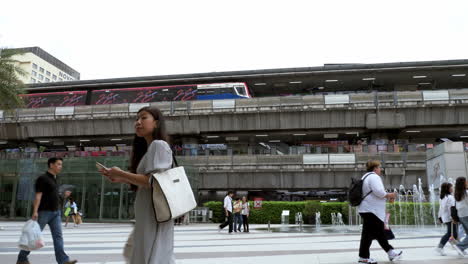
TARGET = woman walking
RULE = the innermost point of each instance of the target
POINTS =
(71, 209)
(446, 202)
(461, 203)
(154, 242)
(372, 211)
(245, 213)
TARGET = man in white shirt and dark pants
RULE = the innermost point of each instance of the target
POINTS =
(372, 211)
(228, 211)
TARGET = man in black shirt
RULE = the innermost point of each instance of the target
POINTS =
(47, 211)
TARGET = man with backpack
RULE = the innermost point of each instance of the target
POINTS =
(370, 195)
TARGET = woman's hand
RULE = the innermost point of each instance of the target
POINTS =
(114, 174)
(391, 196)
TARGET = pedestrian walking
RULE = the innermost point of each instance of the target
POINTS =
(372, 211)
(228, 212)
(237, 215)
(446, 202)
(245, 213)
(46, 211)
(153, 242)
(71, 209)
(461, 203)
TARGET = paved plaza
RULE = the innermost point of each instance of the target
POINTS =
(202, 244)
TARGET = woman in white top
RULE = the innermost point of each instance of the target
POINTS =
(153, 242)
(245, 213)
(372, 211)
(446, 202)
(461, 202)
(73, 211)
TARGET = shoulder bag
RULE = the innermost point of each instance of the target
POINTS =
(172, 195)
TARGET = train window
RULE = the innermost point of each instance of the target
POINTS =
(241, 90)
(225, 91)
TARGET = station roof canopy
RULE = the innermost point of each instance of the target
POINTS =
(447, 74)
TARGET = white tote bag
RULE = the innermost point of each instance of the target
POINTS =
(172, 194)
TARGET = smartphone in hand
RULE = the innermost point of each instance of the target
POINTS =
(100, 166)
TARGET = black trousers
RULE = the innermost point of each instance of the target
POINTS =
(245, 221)
(447, 235)
(228, 222)
(372, 228)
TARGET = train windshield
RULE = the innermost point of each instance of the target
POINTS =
(241, 90)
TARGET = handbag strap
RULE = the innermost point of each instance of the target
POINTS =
(174, 161)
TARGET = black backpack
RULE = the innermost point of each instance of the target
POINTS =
(355, 191)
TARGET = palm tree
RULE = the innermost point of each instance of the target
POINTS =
(10, 85)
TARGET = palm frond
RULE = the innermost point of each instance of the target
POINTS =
(10, 85)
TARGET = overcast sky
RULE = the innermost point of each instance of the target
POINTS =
(107, 39)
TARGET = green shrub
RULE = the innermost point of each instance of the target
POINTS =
(218, 211)
(325, 209)
(271, 211)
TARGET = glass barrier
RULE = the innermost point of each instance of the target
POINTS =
(97, 198)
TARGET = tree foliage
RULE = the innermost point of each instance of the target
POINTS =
(10, 85)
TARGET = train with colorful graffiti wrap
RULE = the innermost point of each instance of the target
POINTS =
(215, 91)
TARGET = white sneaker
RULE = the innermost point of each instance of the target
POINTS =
(440, 251)
(367, 260)
(460, 251)
(394, 254)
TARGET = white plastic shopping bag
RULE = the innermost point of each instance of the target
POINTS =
(31, 236)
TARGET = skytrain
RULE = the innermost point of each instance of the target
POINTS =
(215, 91)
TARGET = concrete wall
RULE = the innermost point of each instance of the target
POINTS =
(249, 172)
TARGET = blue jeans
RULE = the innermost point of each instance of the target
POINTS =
(237, 222)
(53, 219)
(464, 244)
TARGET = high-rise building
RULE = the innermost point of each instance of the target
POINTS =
(41, 67)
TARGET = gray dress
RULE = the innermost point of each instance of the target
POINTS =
(153, 242)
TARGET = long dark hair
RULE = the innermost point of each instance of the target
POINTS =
(140, 146)
(445, 189)
(460, 189)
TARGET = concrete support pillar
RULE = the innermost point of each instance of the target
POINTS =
(250, 150)
(190, 146)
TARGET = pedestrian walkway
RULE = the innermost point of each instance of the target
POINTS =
(203, 244)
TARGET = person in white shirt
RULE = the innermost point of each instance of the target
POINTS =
(228, 211)
(461, 203)
(372, 211)
(446, 202)
(73, 211)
